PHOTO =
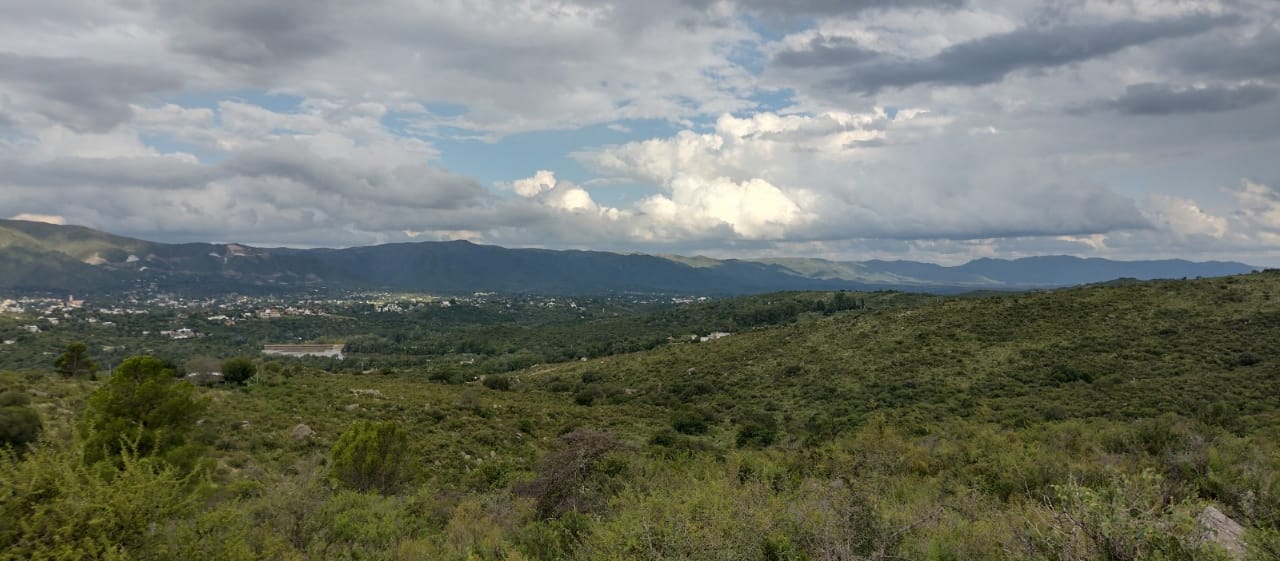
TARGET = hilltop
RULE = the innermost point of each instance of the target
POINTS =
(37, 257)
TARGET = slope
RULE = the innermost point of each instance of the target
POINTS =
(1125, 351)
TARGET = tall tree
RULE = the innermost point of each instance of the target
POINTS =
(74, 361)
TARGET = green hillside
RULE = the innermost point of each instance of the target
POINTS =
(1093, 423)
(1117, 351)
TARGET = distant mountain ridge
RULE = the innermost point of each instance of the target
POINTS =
(38, 257)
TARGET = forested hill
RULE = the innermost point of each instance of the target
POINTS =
(42, 257)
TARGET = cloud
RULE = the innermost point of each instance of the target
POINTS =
(1258, 205)
(1240, 56)
(987, 59)
(738, 126)
(837, 175)
(1167, 99)
(541, 181)
(791, 9)
(1184, 217)
(80, 93)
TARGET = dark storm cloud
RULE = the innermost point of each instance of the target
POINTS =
(417, 186)
(82, 94)
(991, 58)
(1246, 58)
(790, 9)
(256, 35)
(823, 51)
(1165, 99)
(148, 172)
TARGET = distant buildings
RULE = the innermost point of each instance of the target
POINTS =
(713, 336)
(328, 351)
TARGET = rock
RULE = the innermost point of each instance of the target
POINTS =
(370, 393)
(302, 432)
(245, 425)
(352, 407)
(1223, 531)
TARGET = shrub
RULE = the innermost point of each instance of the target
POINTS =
(56, 507)
(445, 375)
(369, 456)
(142, 407)
(587, 395)
(238, 370)
(692, 421)
(575, 477)
(497, 382)
(756, 429)
(19, 426)
(14, 398)
(1247, 359)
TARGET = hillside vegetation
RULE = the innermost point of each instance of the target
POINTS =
(1090, 423)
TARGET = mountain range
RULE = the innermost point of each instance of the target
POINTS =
(39, 257)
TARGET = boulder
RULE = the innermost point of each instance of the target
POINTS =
(302, 432)
(1223, 531)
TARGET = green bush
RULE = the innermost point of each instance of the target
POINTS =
(497, 382)
(238, 370)
(56, 507)
(692, 421)
(756, 429)
(14, 398)
(369, 456)
(142, 407)
(588, 395)
(19, 426)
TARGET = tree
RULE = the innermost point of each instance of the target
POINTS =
(238, 370)
(369, 456)
(75, 361)
(143, 408)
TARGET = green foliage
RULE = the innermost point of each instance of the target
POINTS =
(370, 456)
(693, 420)
(1130, 518)
(74, 361)
(588, 395)
(144, 408)
(238, 370)
(497, 382)
(14, 398)
(1030, 426)
(57, 508)
(19, 426)
(756, 429)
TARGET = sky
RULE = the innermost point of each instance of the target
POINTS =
(934, 130)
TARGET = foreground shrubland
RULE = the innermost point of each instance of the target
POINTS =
(1099, 423)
